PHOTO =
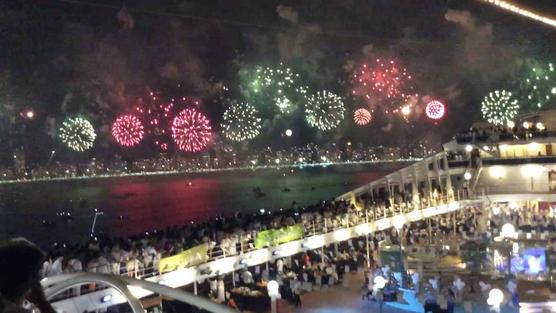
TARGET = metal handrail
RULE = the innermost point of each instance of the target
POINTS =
(324, 224)
(59, 284)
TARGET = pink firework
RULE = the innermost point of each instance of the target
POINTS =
(435, 110)
(362, 116)
(191, 130)
(128, 130)
(381, 80)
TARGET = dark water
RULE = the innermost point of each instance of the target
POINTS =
(132, 205)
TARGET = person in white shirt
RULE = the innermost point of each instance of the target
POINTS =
(46, 265)
(56, 268)
(280, 266)
(104, 266)
(92, 265)
(247, 277)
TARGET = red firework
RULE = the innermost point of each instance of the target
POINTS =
(191, 130)
(435, 110)
(381, 80)
(362, 116)
(128, 130)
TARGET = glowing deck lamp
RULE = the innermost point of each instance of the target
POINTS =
(540, 126)
(510, 124)
(532, 171)
(495, 298)
(274, 293)
(379, 282)
(467, 176)
(496, 210)
(469, 148)
(508, 231)
(497, 172)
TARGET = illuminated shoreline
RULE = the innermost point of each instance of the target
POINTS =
(176, 172)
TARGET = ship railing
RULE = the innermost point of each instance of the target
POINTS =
(314, 226)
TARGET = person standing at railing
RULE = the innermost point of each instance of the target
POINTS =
(56, 268)
(116, 255)
(74, 265)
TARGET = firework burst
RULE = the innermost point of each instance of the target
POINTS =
(78, 134)
(538, 89)
(241, 122)
(324, 110)
(499, 107)
(362, 117)
(191, 130)
(435, 110)
(279, 86)
(128, 130)
(382, 82)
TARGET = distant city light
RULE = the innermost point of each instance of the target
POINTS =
(289, 132)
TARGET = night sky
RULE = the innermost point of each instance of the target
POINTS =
(96, 58)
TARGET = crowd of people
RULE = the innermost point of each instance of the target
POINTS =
(138, 256)
(225, 236)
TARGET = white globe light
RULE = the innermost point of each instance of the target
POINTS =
(379, 282)
(510, 124)
(526, 125)
(496, 210)
(495, 297)
(469, 148)
(540, 126)
(272, 288)
(508, 231)
(467, 176)
(289, 132)
(515, 248)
